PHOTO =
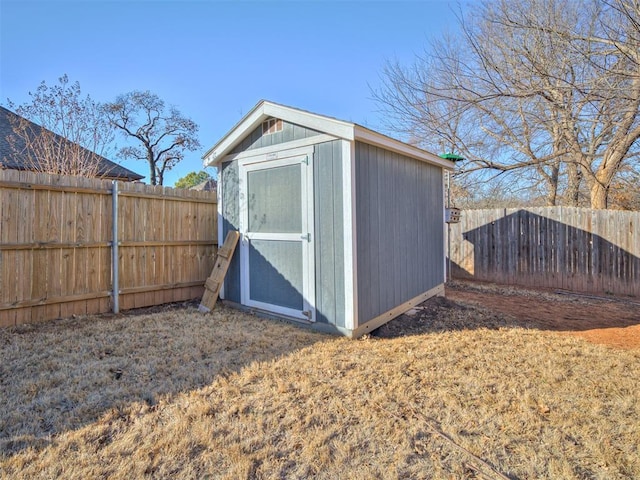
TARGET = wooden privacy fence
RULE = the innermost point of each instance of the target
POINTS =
(56, 245)
(578, 249)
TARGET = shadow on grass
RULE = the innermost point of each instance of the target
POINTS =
(471, 306)
(63, 375)
(439, 314)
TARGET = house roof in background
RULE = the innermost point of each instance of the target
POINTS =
(12, 160)
(207, 186)
(332, 126)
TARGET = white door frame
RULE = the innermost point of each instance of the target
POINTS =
(303, 156)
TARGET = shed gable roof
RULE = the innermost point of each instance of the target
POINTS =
(327, 125)
(12, 160)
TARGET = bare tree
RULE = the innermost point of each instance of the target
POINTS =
(162, 134)
(606, 129)
(625, 190)
(60, 131)
(547, 86)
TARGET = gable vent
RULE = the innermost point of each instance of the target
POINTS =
(272, 125)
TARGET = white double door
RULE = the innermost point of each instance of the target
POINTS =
(277, 238)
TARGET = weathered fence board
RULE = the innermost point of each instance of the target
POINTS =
(56, 240)
(579, 249)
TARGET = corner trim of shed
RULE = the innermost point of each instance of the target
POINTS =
(350, 234)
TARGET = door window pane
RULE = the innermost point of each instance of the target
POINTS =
(276, 273)
(274, 200)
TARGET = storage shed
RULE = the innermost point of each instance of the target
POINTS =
(342, 228)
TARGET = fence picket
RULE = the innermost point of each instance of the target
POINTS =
(55, 234)
(595, 251)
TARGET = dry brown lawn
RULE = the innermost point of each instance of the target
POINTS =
(178, 394)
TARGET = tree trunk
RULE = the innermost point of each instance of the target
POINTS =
(550, 198)
(552, 191)
(152, 168)
(574, 180)
(604, 175)
(550, 179)
(599, 195)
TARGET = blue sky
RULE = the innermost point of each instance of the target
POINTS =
(216, 60)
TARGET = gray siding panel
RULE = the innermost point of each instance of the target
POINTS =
(329, 236)
(231, 221)
(400, 251)
(366, 280)
(338, 234)
(387, 236)
(288, 133)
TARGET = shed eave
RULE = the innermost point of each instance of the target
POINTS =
(370, 137)
(250, 121)
(328, 125)
(264, 110)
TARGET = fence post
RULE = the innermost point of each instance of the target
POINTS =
(115, 275)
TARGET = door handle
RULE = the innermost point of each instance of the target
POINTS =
(306, 237)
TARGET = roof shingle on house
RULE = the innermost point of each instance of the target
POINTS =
(209, 185)
(10, 159)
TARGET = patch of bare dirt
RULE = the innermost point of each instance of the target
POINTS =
(611, 321)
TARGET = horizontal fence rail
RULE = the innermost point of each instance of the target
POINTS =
(56, 245)
(578, 249)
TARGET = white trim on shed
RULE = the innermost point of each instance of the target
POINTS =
(327, 125)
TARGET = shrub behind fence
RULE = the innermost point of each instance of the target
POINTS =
(56, 245)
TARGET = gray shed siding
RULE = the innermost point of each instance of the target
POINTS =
(400, 234)
(289, 133)
(231, 221)
(329, 233)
